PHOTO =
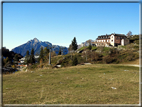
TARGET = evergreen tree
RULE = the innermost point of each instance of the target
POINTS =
(27, 57)
(16, 57)
(45, 51)
(90, 46)
(32, 59)
(41, 54)
(74, 44)
(75, 61)
(59, 52)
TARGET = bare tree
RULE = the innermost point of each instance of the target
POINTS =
(129, 34)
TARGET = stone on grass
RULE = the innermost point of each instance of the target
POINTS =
(32, 71)
(87, 63)
(58, 66)
(113, 87)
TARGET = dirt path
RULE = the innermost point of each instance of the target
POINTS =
(131, 65)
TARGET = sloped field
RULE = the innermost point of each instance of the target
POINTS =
(87, 84)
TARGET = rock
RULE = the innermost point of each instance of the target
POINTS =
(26, 70)
(113, 87)
(59, 66)
(87, 63)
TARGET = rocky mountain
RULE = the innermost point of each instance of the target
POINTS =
(37, 44)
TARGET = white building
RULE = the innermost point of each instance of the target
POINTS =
(23, 59)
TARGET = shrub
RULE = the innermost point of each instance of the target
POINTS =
(136, 55)
(13, 66)
(80, 59)
(107, 59)
(95, 56)
(75, 61)
(53, 54)
(136, 47)
(70, 63)
(129, 58)
(34, 66)
(41, 63)
(64, 63)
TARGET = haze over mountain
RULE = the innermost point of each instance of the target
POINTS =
(37, 44)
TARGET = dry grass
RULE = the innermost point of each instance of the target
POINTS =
(88, 84)
(132, 62)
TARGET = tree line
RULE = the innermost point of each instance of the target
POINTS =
(9, 57)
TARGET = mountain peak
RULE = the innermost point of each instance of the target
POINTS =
(36, 40)
(36, 44)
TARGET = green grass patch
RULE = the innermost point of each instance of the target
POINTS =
(106, 48)
(88, 84)
(82, 48)
(94, 48)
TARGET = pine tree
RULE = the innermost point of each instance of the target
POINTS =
(27, 57)
(59, 52)
(90, 46)
(45, 51)
(32, 59)
(75, 61)
(74, 44)
(16, 57)
(41, 54)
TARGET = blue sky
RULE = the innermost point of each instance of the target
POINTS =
(59, 23)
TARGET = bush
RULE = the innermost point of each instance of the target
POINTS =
(136, 56)
(108, 59)
(70, 63)
(129, 58)
(34, 66)
(41, 63)
(136, 47)
(64, 63)
(95, 56)
(80, 59)
(13, 66)
(75, 61)
(53, 54)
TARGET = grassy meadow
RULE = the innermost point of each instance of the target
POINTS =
(84, 84)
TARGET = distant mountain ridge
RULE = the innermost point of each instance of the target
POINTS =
(37, 44)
